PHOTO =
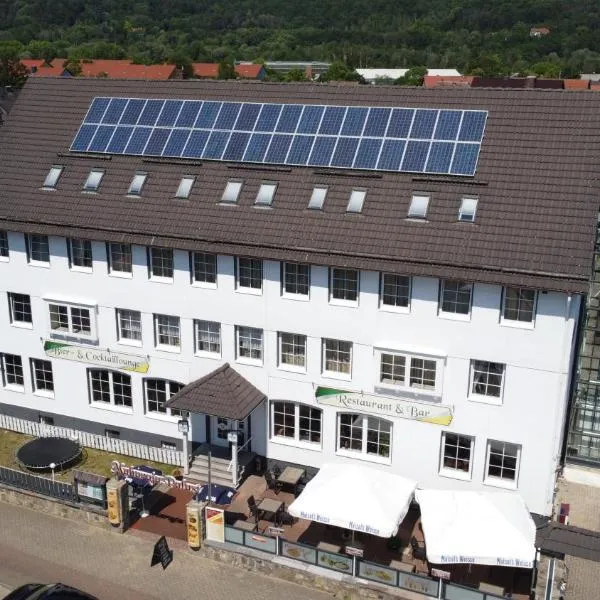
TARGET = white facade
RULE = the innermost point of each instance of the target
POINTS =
(528, 414)
(372, 75)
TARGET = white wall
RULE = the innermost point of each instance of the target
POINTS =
(537, 359)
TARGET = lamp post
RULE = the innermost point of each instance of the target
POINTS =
(52, 466)
(184, 427)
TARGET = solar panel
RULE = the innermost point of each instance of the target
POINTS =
(417, 140)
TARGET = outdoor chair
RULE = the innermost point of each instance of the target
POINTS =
(276, 471)
(283, 517)
(254, 512)
(418, 550)
(272, 483)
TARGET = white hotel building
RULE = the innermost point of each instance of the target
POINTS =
(420, 259)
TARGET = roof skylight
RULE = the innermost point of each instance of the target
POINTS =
(53, 176)
(468, 208)
(137, 183)
(357, 199)
(418, 206)
(92, 183)
(317, 199)
(232, 192)
(185, 187)
(266, 193)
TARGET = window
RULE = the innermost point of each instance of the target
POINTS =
(166, 331)
(407, 370)
(457, 451)
(113, 434)
(295, 279)
(168, 446)
(395, 290)
(161, 263)
(363, 434)
(486, 378)
(249, 343)
(185, 188)
(317, 199)
(297, 422)
(249, 273)
(129, 326)
(20, 309)
(292, 350)
(468, 208)
(502, 462)
(137, 183)
(208, 337)
(456, 297)
(3, 244)
(38, 249)
(110, 387)
(519, 305)
(53, 176)
(43, 380)
(356, 201)
(70, 319)
(80, 254)
(45, 420)
(343, 285)
(119, 258)
(232, 192)
(418, 206)
(204, 268)
(12, 371)
(337, 357)
(266, 193)
(93, 181)
(157, 392)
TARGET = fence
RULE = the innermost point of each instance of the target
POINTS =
(92, 440)
(343, 563)
(40, 485)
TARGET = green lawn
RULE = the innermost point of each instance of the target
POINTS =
(93, 461)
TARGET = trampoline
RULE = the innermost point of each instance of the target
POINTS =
(39, 454)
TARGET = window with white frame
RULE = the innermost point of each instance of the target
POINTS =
(110, 387)
(185, 188)
(129, 326)
(406, 370)
(231, 192)
(53, 176)
(80, 254)
(137, 183)
(119, 258)
(392, 369)
(455, 297)
(292, 350)
(161, 263)
(295, 279)
(70, 319)
(422, 373)
(157, 392)
(468, 208)
(298, 422)
(3, 244)
(208, 337)
(249, 343)
(42, 377)
(395, 290)
(518, 305)
(364, 434)
(204, 268)
(38, 248)
(12, 371)
(356, 200)
(502, 462)
(20, 309)
(266, 194)
(418, 206)
(343, 285)
(249, 273)
(93, 181)
(337, 357)
(317, 198)
(457, 453)
(487, 378)
(166, 331)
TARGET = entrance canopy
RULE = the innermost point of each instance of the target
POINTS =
(484, 528)
(356, 497)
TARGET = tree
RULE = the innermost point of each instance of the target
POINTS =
(73, 67)
(413, 77)
(12, 71)
(295, 75)
(226, 70)
(338, 71)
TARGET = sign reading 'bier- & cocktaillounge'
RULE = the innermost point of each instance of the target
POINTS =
(382, 405)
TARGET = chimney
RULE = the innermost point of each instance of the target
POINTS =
(530, 81)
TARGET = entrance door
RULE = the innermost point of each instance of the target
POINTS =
(222, 426)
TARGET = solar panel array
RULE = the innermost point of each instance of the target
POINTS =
(421, 140)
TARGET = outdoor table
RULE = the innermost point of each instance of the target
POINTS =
(402, 566)
(329, 547)
(492, 589)
(245, 525)
(291, 476)
(268, 505)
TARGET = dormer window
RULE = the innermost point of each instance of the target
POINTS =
(468, 208)
(357, 199)
(53, 176)
(317, 199)
(418, 206)
(92, 183)
(137, 183)
(266, 193)
(185, 187)
(232, 192)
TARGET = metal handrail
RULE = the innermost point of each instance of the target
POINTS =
(238, 451)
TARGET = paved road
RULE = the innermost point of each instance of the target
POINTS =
(38, 547)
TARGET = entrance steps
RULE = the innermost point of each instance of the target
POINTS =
(220, 461)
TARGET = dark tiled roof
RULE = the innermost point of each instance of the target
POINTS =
(536, 182)
(222, 393)
(557, 538)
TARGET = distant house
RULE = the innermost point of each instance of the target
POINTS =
(38, 67)
(113, 69)
(311, 69)
(373, 75)
(243, 71)
(539, 31)
(435, 81)
(590, 76)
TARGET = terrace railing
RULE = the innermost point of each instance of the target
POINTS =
(40, 485)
